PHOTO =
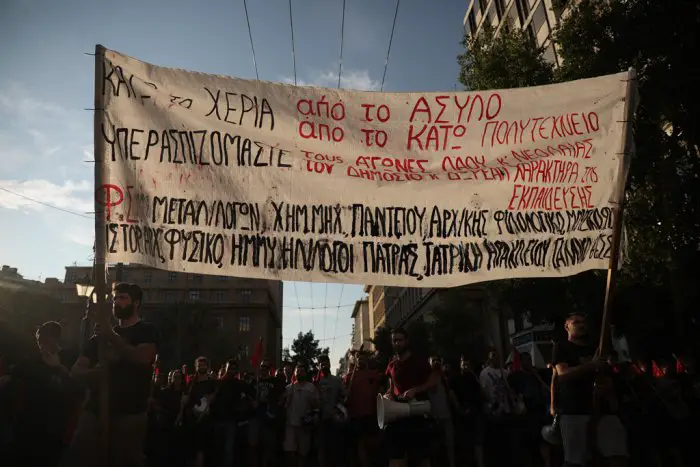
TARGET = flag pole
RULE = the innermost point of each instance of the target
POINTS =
(100, 266)
(604, 343)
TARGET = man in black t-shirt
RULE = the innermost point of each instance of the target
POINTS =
(49, 396)
(470, 400)
(576, 364)
(230, 405)
(132, 348)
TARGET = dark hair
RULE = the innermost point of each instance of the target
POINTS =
(134, 291)
(401, 331)
(576, 314)
(50, 329)
(324, 358)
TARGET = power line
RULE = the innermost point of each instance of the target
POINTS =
(45, 204)
(321, 340)
(342, 39)
(347, 305)
(391, 39)
(325, 309)
(296, 295)
(294, 53)
(337, 314)
(311, 293)
(250, 35)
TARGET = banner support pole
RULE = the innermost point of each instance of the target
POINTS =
(604, 342)
(100, 266)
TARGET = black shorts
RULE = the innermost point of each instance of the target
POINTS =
(409, 437)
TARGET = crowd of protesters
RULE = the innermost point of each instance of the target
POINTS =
(498, 414)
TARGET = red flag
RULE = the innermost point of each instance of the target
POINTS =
(680, 368)
(257, 355)
(655, 370)
(516, 363)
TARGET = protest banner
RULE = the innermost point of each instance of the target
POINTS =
(217, 175)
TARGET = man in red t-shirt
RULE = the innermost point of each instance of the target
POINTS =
(410, 378)
(363, 385)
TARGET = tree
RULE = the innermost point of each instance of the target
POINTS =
(509, 60)
(663, 197)
(305, 349)
(286, 355)
(459, 326)
(662, 212)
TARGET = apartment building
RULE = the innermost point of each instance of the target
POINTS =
(538, 17)
(238, 311)
(362, 330)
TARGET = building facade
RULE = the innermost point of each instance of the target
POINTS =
(538, 17)
(217, 315)
(362, 331)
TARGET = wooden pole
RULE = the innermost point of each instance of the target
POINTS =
(100, 266)
(604, 343)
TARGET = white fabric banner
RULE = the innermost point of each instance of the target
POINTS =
(216, 175)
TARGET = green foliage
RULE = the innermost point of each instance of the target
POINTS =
(658, 291)
(510, 59)
(459, 326)
(305, 349)
(663, 197)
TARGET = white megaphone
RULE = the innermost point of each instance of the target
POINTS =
(389, 410)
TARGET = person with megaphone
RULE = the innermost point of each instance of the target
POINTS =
(402, 411)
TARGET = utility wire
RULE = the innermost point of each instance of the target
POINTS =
(45, 204)
(296, 294)
(391, 39)
(294, 53)
(320, 340)
(337, 314)
(250, 35)
(342, 40)
(325, 309)
(311, 292)
(347, 305)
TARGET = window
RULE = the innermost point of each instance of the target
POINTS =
(500, 8)
(172, 276)
(218, 296)
(244, 323)
(147, 277)
(223, 278)
(246, 294)
(197, 277)
(170, 296)
(472, 22)
(242, 351)
(482, 5)
(523, 10)
(71, 276)
(194, 295)
(220, 322)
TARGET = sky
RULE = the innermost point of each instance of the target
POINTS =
(46, 82)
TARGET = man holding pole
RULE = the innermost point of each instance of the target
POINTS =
(576, 363)
(132, 348)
